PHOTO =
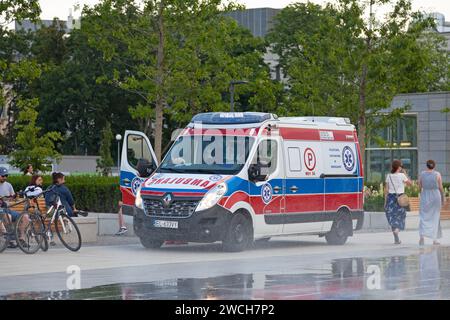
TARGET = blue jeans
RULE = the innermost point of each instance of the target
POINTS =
(14, 215)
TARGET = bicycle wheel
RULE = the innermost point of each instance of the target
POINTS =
(30, 229)
(44, 243)
(4, 238)
(68, 232)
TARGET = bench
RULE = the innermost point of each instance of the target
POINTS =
(414, 205)
(445, 213)
(20, 207)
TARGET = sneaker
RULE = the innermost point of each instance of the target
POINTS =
(12, 245)
(122, 231)
(82, 213)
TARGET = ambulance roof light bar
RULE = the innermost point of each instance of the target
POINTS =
(232, 118)
(332, 120)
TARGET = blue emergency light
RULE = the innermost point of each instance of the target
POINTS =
(232, 117)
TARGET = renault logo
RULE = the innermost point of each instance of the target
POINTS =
(167, 200)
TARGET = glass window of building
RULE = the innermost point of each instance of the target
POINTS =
(398, 141)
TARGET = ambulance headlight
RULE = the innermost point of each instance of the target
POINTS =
(212, 197)
(139, 203)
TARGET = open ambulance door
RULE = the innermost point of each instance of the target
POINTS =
(138, 161)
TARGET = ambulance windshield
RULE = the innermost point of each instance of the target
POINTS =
(209, 154)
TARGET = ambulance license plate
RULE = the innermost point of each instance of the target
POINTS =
(165, 224)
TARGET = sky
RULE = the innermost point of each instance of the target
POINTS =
(60, 8)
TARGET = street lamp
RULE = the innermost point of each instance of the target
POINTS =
(232, 84)
(118, 138)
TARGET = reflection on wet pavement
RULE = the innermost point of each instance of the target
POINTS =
(423, 275)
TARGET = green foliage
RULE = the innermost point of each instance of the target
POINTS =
(91, 192)
(11, 10)
(106, 161)
(71, 99)
(374, 203)
(202, 52)
(341, 64)
(11, 44)
(32, 147)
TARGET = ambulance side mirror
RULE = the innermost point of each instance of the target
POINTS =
(254, 173)
(145, 168)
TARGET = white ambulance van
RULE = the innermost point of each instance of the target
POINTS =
(240, 177)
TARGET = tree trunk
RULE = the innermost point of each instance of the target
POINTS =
(362, 113)
(362, 119)
(160, 101)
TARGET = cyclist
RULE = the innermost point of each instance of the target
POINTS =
(59, 189)
(7, 191)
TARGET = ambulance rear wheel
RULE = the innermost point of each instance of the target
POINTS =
(340, 230)
(150, 243)
(239, 235)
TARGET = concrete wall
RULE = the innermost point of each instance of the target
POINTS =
(68, 164)
(433, 127)
(77, 164)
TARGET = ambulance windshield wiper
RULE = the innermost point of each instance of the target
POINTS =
(207, 171)
(161, 169)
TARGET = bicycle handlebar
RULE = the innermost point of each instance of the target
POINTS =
(24, 195)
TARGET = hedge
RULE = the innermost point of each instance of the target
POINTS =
(92, 193)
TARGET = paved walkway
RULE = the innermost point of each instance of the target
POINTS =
(123, 260)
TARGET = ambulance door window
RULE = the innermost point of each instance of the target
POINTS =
(267, 156)
(137, 149)
(294, 158)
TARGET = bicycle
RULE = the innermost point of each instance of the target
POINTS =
(60, 222)
(7, 229)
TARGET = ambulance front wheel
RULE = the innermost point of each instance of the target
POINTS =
(340, 230)
(239, 235)
(150, 243)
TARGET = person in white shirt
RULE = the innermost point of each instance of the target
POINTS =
(394, 187)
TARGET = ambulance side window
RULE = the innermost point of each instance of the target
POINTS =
(266, 156)
(137, 149)
(295, 164)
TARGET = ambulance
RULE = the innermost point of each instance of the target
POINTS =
(244, 177)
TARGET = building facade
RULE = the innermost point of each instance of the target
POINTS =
(259, 21)
(421, 134)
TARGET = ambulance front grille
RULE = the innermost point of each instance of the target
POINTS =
(177, 209)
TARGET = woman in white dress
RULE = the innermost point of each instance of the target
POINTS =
(431, 200)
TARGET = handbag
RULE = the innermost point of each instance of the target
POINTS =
(402, 199)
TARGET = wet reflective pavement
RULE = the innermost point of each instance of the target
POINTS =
(412, 273)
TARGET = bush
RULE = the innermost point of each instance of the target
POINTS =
(91, 192)
(374, 203)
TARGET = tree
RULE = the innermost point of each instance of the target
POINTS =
(32, 147)
(106, 161)
(10, 46)
(340, 63)
(180, 57)
(71, 100)
(11, 10)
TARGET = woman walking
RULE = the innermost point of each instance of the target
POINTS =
(431, 200)
(395, 187)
